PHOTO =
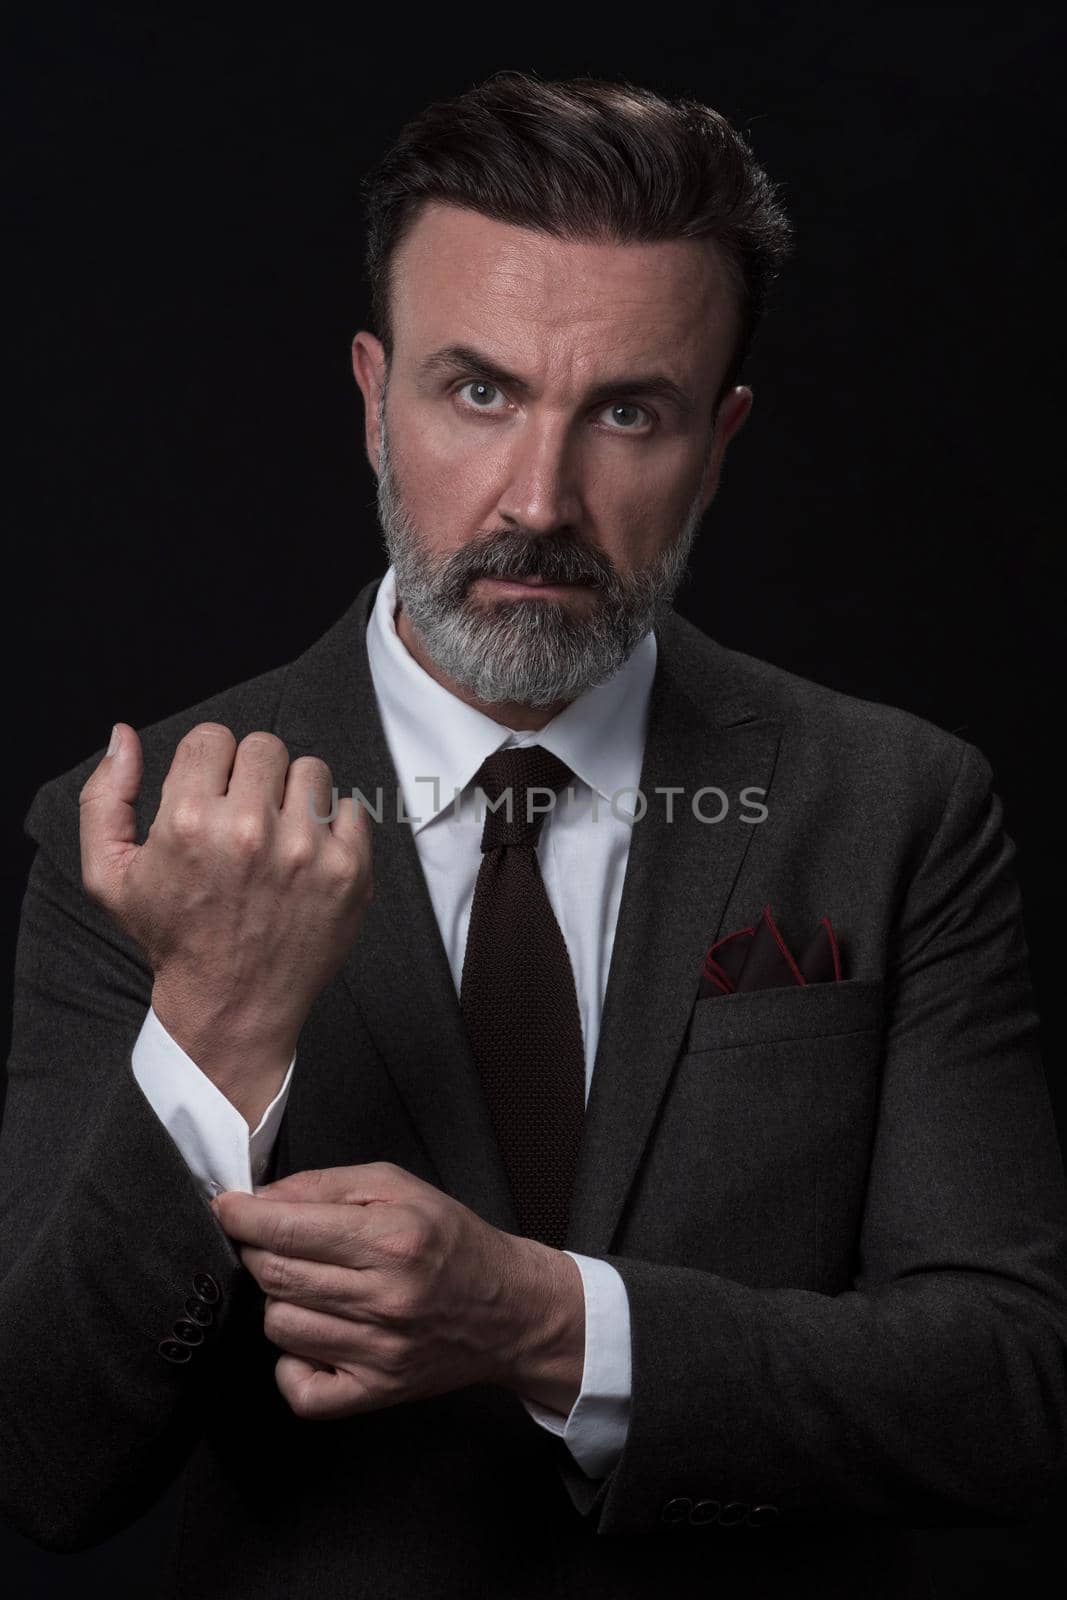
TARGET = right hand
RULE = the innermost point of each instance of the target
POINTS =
(242, 903)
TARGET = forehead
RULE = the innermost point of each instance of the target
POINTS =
(461, 275)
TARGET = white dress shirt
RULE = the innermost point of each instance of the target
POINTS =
(582, 852)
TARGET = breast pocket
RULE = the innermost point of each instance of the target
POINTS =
(799, 1011)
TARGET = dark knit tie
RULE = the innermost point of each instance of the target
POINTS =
(518, 998)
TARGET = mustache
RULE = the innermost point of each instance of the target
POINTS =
(510, 555)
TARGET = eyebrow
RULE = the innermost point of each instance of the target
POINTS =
(464, 358)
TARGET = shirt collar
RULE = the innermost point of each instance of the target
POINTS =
(431, 733)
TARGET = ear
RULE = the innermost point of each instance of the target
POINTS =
(368, 365)
(729, 419)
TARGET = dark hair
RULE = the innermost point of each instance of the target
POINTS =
(585, 160)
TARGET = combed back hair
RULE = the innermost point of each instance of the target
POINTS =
(588, 161)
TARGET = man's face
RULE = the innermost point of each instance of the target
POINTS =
(537, 501)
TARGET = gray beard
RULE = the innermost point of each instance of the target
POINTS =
(526, 652)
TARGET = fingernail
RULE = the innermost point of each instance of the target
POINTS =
(116, 741)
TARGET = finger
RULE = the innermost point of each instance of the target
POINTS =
(315, 1285)
(351, 827)
(308, 801)
(259, 769)
(316, 1336)
(108, 821)
(319, 1394)
(326, 1233)
(200, 768)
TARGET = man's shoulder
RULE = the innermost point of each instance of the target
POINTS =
(823, 728)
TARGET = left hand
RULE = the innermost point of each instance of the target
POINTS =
(380, 1288)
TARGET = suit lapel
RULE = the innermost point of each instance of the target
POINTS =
(678, 881)
(679, 878)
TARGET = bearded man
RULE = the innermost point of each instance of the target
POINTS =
(523, 1100)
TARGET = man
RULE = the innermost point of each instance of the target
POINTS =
(666, 1190)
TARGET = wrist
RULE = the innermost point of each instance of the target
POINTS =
(210, 1032)
(244, 1063)
(549, 1358)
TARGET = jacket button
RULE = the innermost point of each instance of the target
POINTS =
(760, 1515)
(206, 1287)
(199, 1312)
(732, 1513)
(188, 1332)
(677, 1510)
(174, 1351)
(704, 1511)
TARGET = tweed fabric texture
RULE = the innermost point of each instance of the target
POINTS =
(518, 997)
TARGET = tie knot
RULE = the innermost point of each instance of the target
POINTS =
(510, 780)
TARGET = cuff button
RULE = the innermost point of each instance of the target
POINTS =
(206, 1287)
(759, 1516)
(676, 1510)
(174, 1351)
(704, 1511)
(732, 1513)
(199, 1311)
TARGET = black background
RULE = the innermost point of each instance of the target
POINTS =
(193, 503)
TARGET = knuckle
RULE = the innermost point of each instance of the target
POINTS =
(248, 831)
(338, 874)
(345, 876)
(186, 820)
(277, 1275)
(358, 878)
(407, 1248)
(396, 1308)
(395, 1358)
(297, 853)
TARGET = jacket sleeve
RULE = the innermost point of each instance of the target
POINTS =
(119, 1289)
(215, 1143)
(933, 1391)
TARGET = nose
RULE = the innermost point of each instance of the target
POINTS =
(541, 492)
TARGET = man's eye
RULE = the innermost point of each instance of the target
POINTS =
(480, 386)
(482, 392)
(624, 405)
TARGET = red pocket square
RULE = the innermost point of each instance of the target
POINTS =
(759, 958)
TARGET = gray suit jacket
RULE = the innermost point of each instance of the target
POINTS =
(839, 1211)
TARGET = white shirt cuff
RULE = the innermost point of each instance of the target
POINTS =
(595, 1430)
(208, 1129)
